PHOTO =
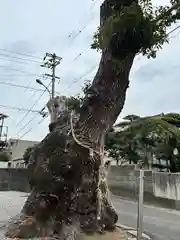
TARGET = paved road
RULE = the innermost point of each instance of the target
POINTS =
(160, 224)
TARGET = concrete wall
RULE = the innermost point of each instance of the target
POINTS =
(14, 179)
(161, 189)
(166, 185)
(124, 181)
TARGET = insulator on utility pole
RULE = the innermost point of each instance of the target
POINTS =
(52, 61)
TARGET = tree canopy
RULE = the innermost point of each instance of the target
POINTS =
(147, 24)
(155, 135)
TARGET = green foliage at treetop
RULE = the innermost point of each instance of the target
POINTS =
(147, 24)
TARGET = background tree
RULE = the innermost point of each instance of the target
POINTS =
(127, 120)
(4, 157)
(153, 136)
(122, 146)
(70, 192)
(27, 154)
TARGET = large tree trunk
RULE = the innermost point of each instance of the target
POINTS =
(67, 173)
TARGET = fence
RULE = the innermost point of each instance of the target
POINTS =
(160, 189)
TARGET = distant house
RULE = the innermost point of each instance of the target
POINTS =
(16, 149)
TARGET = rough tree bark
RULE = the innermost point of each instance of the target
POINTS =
(67, 174)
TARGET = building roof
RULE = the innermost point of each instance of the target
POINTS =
(21, 140)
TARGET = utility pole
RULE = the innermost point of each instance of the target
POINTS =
(140, 206)
(51, 61)
(2, 142)
(2, 117)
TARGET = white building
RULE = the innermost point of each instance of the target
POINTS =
(17, 148)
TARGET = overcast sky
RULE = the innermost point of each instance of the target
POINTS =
(66, 28)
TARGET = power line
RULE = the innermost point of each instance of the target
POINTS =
(27, 87)
(173, 30)
(79, 55)
(19, 109)
(26, 124)
(75, 80)
(12, 75)
(18, 53)
(29, 100)
(31, 129)
(32, 107)
(19, 58)
(31, 120)
(17, 70)
(21, 86)
(84, 27)
(15, 61)
(73, 37)
(77, 34)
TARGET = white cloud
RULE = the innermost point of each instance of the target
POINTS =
(154, 87)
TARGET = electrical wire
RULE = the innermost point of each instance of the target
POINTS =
(75, 80)
(32, 96)
(19, 109)
(80, 54)
(27, 87)
(18, 70)
(19, 58)
(173, 30)
(32, 107)
(29, 100)
(26, 124)
(18, 53)
(21, 86)
(81, 30)
(12, 75)
(24, 134)
(14, 61)
(84, 27)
